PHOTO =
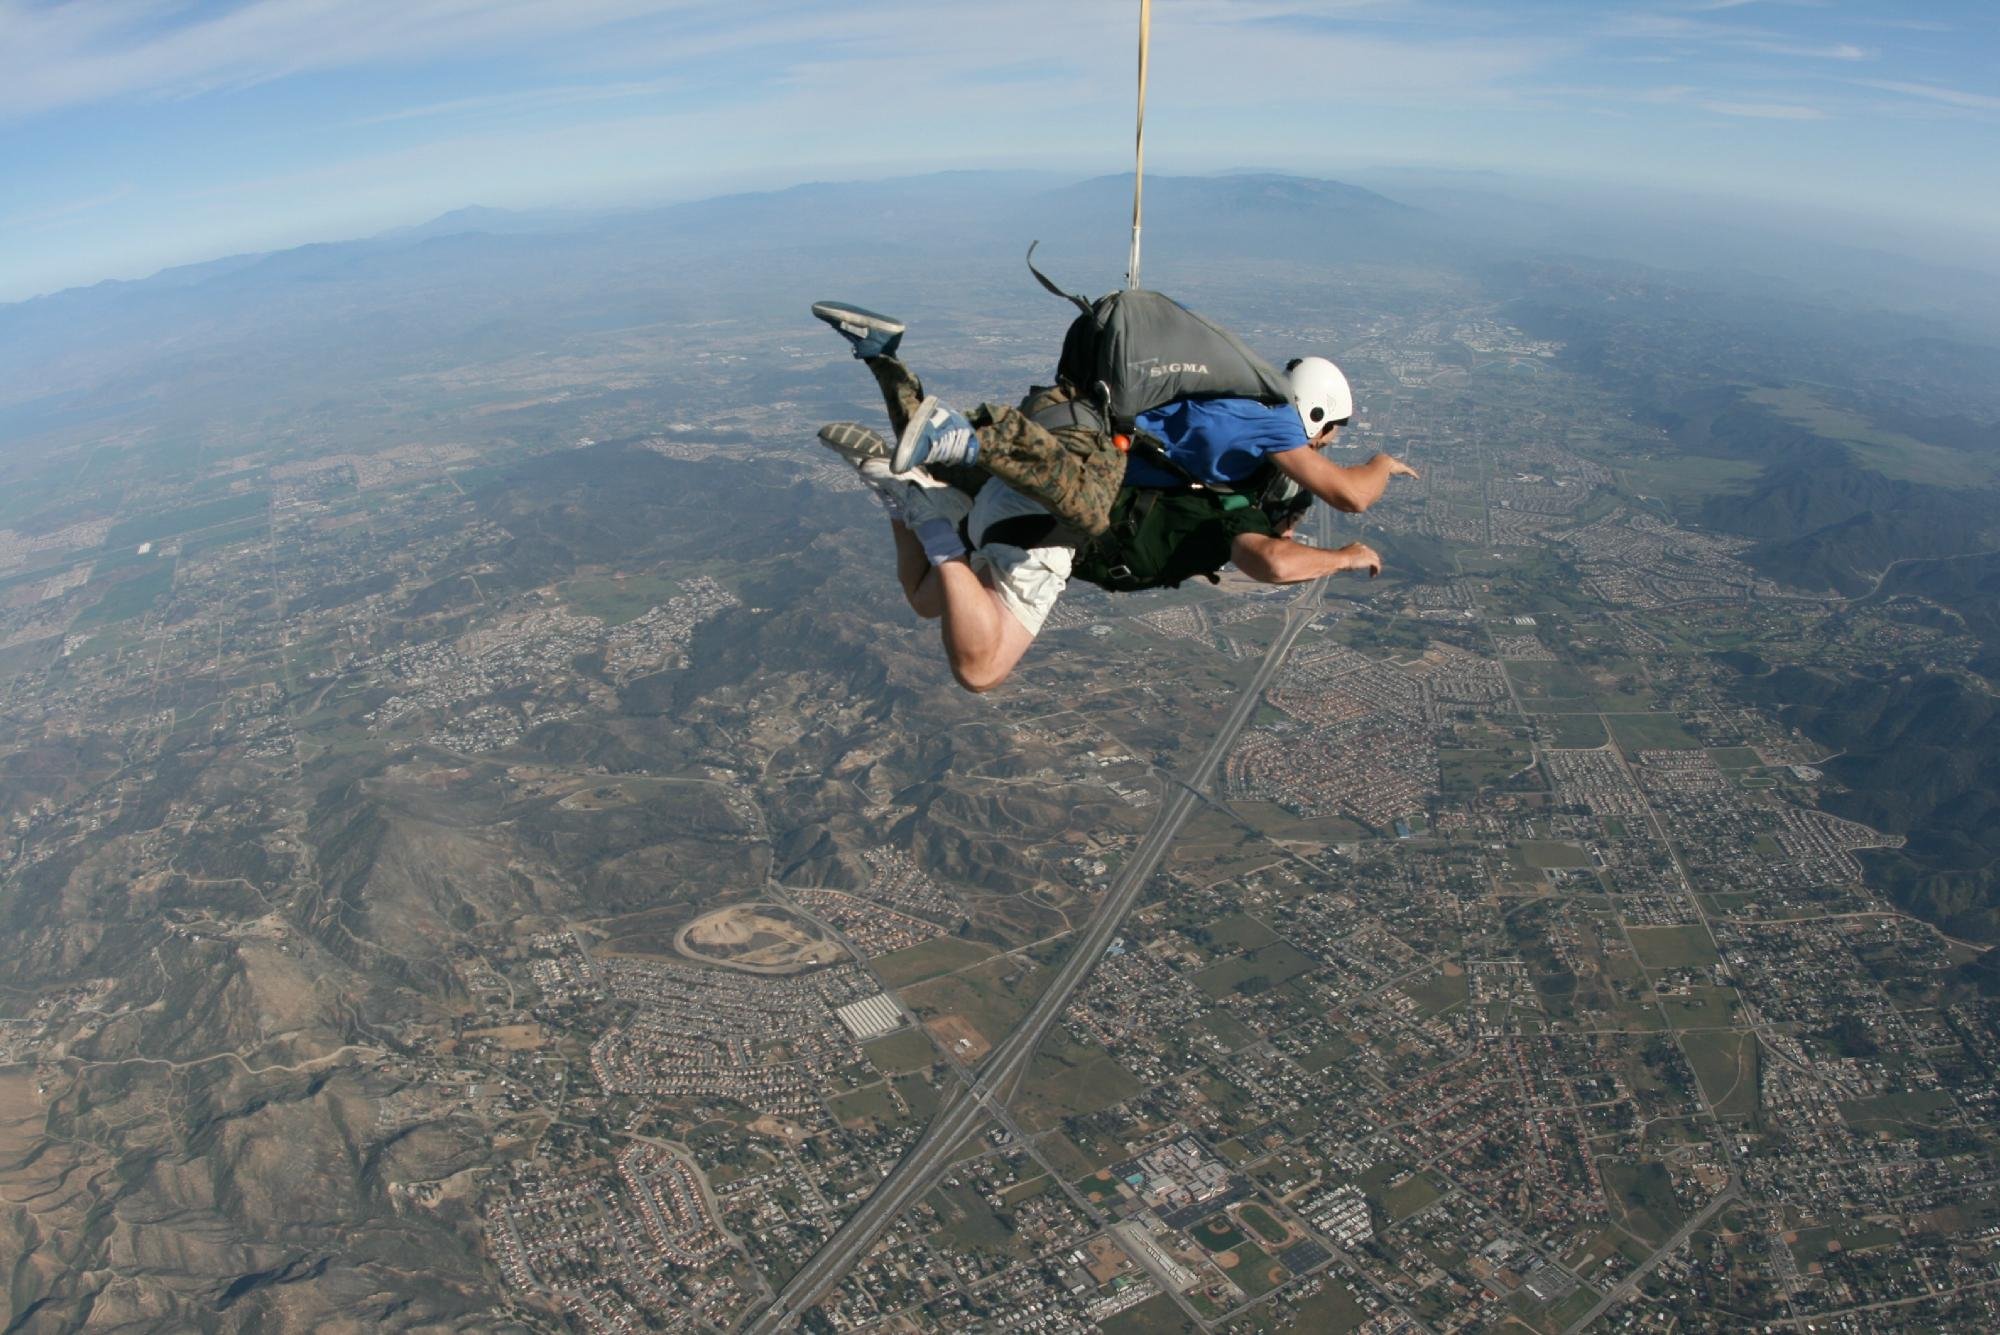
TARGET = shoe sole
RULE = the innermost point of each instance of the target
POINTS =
(905, 457)
(853, 320)
(853, 441)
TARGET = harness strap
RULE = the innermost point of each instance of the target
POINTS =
(1052, 289)
(1023, 531)
(1156, 453)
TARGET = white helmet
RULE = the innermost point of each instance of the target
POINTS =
(1320, 393)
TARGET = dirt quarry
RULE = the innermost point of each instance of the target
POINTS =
(757, 938)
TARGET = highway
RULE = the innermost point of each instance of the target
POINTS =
(928, 1159)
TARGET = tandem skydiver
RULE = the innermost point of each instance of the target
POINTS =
(989, 561)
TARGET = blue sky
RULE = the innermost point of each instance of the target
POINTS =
(136, 134)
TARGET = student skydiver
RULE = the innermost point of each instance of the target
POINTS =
(990, 562)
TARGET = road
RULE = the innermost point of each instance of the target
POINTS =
(1627, 1286)
(932, 1155)
(993, 1099)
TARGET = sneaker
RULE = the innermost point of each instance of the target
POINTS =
(936, 436)
(869, 453)
(869, 334)
(854, 442)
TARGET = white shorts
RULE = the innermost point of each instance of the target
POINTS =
(1028, 579)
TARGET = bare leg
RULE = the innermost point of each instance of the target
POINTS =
(982, 639)
(913, 571)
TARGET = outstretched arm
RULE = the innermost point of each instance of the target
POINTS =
(1270, 560)
(1352, 488)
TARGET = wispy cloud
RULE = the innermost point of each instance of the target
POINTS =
(1930, 92)
(1717, 6)
(1808, 51)
(66, 210)
(1705, 99)
(53, 56)
(1906, 25)
(1730, 36)
(1763, 111)
(524, 100)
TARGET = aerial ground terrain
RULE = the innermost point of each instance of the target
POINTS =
(487, 849)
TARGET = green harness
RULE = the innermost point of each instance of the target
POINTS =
(1158, 539)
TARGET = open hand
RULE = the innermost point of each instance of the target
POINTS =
(1360, 556)
(1396, 467)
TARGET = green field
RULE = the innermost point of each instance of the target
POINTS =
(1155, 1316)
(1407, 1197)
(1069, 1080)
(1890, 453)
(1267, 1228)
(223, 535)
(1257, 972)
(616, 601)
(1652, 732)
(1255, 1272)
(990, 997)
(917, 1092)
(970, 1223)
(1677, 479)
(1706, 1007)
(1540, 683)
(1330, 1049)
(1231, 1032)
(908, 1050)
(128, 597)
(1281, 826)
(1578, 732)
(1439, 991)
(1218, 1232)
(1897, 1113)
(1546, 853)
(1815, 1244)
(1735, 757)
(1634, 1013)
(1013, 1196)
(1674, 947)
(1726, 1066)
(1569, 1310)
(872, 1104)
(1233, 935)
(1471, 770)
(902, 967)
(1645, 1194)
(173, 523)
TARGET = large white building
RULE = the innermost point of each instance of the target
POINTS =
(870, 1017)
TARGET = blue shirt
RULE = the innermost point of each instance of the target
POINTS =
(1217, 440)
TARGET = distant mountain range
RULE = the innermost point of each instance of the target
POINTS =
(481, 268)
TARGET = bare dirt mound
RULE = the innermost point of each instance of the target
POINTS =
(758, 938)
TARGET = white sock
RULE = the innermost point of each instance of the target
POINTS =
(940, 541)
